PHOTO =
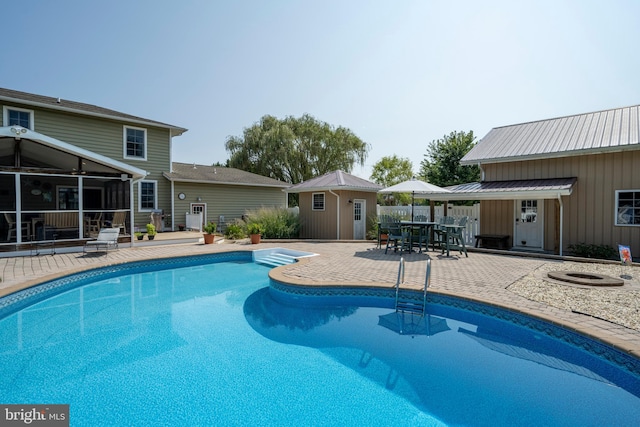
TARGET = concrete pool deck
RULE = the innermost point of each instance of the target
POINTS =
(610, 314)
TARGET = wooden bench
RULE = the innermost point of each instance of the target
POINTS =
(493, 241)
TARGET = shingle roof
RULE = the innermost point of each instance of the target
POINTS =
(509, 190)
(336, 180)
(80, 108)
(191, 172)
(601, 131)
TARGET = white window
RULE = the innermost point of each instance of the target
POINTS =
(147, 195)
(318, 202)
(135, 143)
(628, 207)
(12, 116)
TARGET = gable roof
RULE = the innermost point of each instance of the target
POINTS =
(191, 172)
(8, 134)
(81, 108)
(589, 133)
(336, 180)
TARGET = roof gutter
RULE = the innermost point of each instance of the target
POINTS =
(175, 130)
(284, 186)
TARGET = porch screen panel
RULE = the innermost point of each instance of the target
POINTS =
(7, 193)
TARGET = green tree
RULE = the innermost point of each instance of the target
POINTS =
(295, 149)
(391, 170)
(441, 165)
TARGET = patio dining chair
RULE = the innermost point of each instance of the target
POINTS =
(456, 237)
(399, 238)
(439, 233)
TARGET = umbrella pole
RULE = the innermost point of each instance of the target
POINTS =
(413, 202)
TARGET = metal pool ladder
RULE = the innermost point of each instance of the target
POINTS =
(407, 304)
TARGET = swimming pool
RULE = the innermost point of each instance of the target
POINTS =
(196, 341)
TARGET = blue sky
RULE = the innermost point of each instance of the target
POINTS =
(399, 74)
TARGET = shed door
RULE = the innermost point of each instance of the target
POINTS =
(528, 233)
(359, 219)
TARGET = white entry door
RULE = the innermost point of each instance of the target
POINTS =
(529, 224)
(197, 208)
(359, 219)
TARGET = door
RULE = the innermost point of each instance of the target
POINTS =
(359, 219)
(528, 224)
(197, 208)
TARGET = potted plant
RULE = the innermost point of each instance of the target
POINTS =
(181, 227)
(209, 229)
(254, 229)
(138, 235)
(151, 231)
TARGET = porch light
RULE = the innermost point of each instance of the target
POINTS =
(18, 130)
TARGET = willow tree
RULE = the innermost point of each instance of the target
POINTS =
(295, 149)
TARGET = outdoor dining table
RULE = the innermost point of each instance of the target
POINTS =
(446, 229)
(422, 226)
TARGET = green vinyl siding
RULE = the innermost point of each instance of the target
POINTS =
(231, 201)
(105, 137)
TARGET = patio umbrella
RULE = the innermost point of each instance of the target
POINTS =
(416, 188)
(413, 324)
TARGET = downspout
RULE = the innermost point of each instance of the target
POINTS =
(337, 215)
(173, 205)
(561, 221)
(481, 172)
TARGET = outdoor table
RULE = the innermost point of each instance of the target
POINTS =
(422, 226)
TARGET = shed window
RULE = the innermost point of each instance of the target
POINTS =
(318, 201)
(628, 207)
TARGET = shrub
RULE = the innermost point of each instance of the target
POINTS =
(209, 228)
(593, 251)
(275, 223)
(234, 231)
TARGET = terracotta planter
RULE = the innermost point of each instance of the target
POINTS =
(209, 238)
(255, 239)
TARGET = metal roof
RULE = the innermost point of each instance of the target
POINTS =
(598, 132)
(510, 190)
(80, 108)
(336, 180)
(191, 172)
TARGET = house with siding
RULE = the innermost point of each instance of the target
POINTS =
(549, 184)
(336, 205)
(68, 168)
(220, 193)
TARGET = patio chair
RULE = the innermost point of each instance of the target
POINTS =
(439, 234)
(118, 220)
(107, 238)
(385, 221)
(12, 229)
(399, 238)
(456, 237)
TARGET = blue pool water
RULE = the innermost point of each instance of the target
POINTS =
(212, 344)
